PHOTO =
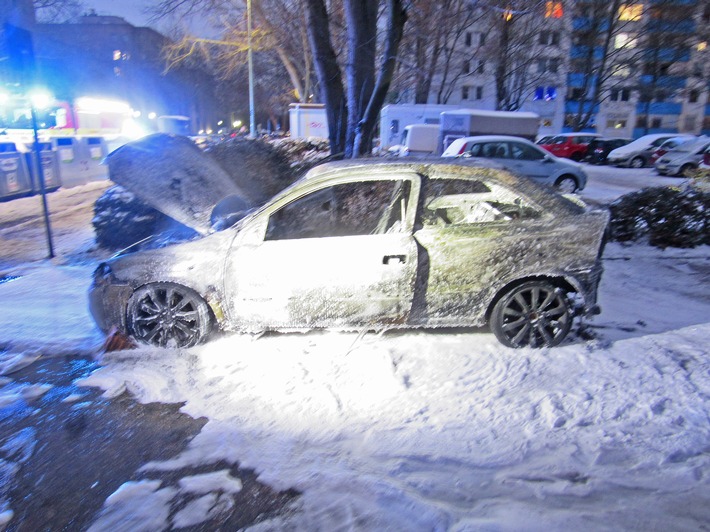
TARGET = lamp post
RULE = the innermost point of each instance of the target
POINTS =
(41, 100)
(250, 61)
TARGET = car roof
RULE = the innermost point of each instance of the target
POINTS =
(492, 138)
(437, 167)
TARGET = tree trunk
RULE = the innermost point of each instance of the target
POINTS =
(328, 72)
(395, 29)
(361, 20)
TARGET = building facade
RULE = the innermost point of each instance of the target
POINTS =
(622, 69)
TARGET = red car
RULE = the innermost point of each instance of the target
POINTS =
(569, 145)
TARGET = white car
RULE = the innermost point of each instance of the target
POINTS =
(637, 154)
(522, 157)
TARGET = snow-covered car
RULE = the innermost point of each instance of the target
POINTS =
(684, 158)
(368, 245)
(523, 157)
(637, 154)
(669, 145)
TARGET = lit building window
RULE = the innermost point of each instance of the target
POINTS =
(553, 10)
(625, 40)
(631, 12)
(117, 55)
(616, 124)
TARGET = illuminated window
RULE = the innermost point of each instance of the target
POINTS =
(631, 12)
(625, 40)
(117, 55)
(553, 10)
(615, 124)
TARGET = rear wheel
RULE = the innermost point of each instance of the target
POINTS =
(533, 314)
(168, 315)
(566, 184)
(637, 162)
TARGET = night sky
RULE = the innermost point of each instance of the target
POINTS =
(132, 11)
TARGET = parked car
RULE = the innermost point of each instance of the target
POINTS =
(599, 149)
(523, 157)
(684, 158)
(669, 145)
(369, 245)
(637, 154)
(569, 145)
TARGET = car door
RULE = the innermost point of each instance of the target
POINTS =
(337, 255)
(474, 238)
(529, 161)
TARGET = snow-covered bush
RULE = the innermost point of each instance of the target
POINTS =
(120, 220)
(665, 216)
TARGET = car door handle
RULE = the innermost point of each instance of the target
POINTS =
(394, 259)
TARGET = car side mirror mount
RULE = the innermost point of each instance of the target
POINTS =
(252, 234)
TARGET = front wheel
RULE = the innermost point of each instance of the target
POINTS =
(637, 162)
(566, 184)
(168, 315)
(532, 314)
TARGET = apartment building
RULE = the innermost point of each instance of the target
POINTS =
(618, 68)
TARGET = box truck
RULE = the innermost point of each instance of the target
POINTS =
(469, 122)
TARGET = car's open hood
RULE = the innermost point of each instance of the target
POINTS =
(171, 174)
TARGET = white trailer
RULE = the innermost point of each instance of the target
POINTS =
(394, 118)
(308, 120)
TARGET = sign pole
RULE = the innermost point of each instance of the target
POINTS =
(40, 179)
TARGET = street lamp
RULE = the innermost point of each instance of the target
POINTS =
(41, 100)
(252, 121)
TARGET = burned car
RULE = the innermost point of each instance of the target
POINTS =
(368, 244)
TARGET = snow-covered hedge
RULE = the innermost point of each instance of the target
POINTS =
(666, 216)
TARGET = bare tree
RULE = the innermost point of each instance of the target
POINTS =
(669, 33)
(434, 53)
(511, 47)
(279, 26)
(353, 107)
(57, 10)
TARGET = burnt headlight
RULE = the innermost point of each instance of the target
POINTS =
(102, 274)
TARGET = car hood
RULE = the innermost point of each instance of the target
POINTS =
(171, 174)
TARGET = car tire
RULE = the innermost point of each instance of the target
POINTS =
(168, 315)
(637, 162)
(566, 184)
(533, 314)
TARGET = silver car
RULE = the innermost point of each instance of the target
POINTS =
(370, 245)
(684, 158)
(522, 157)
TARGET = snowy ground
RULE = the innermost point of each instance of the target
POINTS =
(420, 430)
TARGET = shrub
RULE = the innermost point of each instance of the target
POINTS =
(666, 216)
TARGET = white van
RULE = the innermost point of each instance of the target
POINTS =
(418, 140)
